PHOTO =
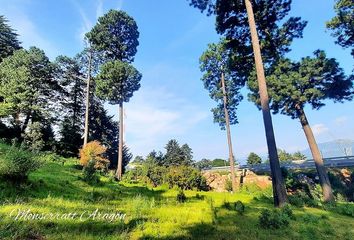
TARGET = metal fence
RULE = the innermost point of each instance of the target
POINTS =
(333, 162)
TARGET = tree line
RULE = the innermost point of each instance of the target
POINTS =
(52, 106)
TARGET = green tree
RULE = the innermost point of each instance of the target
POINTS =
(70, 77)
(187, 154)
(223, 88)
(27, 84)
(8, 39)
(138, 160)
(298, 156)
(236, 20)
(253, 159)
(311, 81)
(342, 25)
(33, 137)
(218, 162)
(174, 155)
(116, 83)
(203, 164)
(116, 37)
(284, 156)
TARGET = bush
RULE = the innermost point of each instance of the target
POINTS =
(228, 185)
(156, 175)
(278, 218)
(94, 151)
(133, 176)
(239, 207)
(52, 157)
(181, 197)
(236, 206)
(186, 177)
(90, 174)
(16, 164)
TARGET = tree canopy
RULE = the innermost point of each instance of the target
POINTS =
(116, 36)
(8, 39)
(117, 81)
(215, 61)
(311, 81)
(342, 25)
(253, 159)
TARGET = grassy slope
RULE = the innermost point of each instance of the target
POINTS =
(150, 213)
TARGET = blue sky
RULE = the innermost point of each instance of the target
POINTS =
(172, 102)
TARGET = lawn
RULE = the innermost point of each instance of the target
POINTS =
(147, 213)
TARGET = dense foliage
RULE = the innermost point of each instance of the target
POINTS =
(342, 25)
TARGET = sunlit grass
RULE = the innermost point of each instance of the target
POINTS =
(150, 213)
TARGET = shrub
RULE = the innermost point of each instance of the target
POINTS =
(33, 138)
(239, 207)
(228, 185)
(301, 199)
(156, 175)
(52, 157)
(94, 151)
(133, 176)
(181, 197)
(236, 206)
(199, 197)
(278, 218)
(90, 174)
(186, 177)
(16, 164)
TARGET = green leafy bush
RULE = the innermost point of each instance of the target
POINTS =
(236, 206)
(16, 164)
(156, 175)
(228, 185)
(181, 197)
(301, 199)
(133, 175)
(186, 177)
(90, 174)
(239, 207)
(275, 219)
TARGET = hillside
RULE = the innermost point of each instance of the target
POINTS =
(143, 212)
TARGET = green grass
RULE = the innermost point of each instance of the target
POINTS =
(150, 213)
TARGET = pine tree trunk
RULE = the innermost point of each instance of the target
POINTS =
(316, 154)
(86, 132)
(120, 148)
(279, 190)
(229, 142)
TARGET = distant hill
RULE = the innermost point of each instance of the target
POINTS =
(336, 148)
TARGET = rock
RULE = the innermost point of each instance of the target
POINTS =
(217, 182)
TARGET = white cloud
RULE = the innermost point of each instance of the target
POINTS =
(154, 116)
(319, 129)
(339, 121)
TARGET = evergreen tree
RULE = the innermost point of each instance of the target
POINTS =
(342, 25)
(28, 88)
(298, 156)
(116, 37)
(237, 20)
(308, 82)
(174, 155)
(253, 159)
(70, 76)
(8, 39)
(187, 154)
